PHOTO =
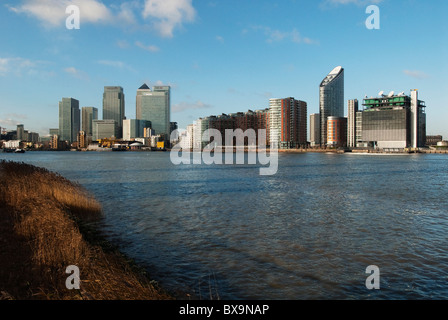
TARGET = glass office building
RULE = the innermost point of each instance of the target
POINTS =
(69, 119)
(155, 106)
(88, 115)
(331, 99)
(114, 106)
(105, 129)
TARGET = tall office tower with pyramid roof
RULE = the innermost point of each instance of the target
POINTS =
(155, 105)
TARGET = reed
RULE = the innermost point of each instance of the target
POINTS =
(45, 226)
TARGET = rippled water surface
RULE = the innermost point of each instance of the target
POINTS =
(308, 232)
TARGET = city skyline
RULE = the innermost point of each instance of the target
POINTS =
(213, 64)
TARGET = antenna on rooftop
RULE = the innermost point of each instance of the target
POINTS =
(391, 94)
(381, 93)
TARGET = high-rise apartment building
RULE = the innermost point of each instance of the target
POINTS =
(315, 129)
(288, 123)
(114, 106)
(88, 114)
(331, 99)
(69, 119)
(155, 106)
(351, 122)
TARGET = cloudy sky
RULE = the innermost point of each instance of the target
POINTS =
(219, 56)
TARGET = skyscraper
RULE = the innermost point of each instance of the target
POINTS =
(331, 99)
(155, 106)
(351, 123)
(69, 119)
(88, 115)
(114, 106)
(20, 132)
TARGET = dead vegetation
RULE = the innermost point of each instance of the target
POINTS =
(44, 228)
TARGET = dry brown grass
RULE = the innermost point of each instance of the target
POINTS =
(44, 224)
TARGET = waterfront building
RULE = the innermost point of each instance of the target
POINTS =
(155, 106)
(433, 140)
(88, 114)
(54, 142)
(21, 132)
(32, 137)
(351, 122)
(133, 128)
(190, 134)
(12, 144)
(336, 132)
(69, 119)
(200, 126)
(114, 106)
(187, 138)
(253, 120)
(358, 129)
(105, 129)
(315, 129)
(82, 140)
(288, 123)
(331, 99)
(148, 132)
(173, 126)
(394, 121)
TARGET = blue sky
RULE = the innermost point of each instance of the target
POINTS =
(219, 56)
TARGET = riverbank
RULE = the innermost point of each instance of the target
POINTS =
(46, 225)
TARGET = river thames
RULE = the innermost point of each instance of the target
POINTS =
(307, 232)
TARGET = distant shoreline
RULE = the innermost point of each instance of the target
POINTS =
(268, 150)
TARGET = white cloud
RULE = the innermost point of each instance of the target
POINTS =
(76, 73)
(184, 106)
(220, 39)
(53, 12)
(150, 48)
(123, 44)
(162, 15)
(168, 15)
(126, 12)
(18, 66)
(333, 3)
(415, 74)
(273, 35)
(9, 123)
(116, 64)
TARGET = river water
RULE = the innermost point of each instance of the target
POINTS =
(308, 232)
